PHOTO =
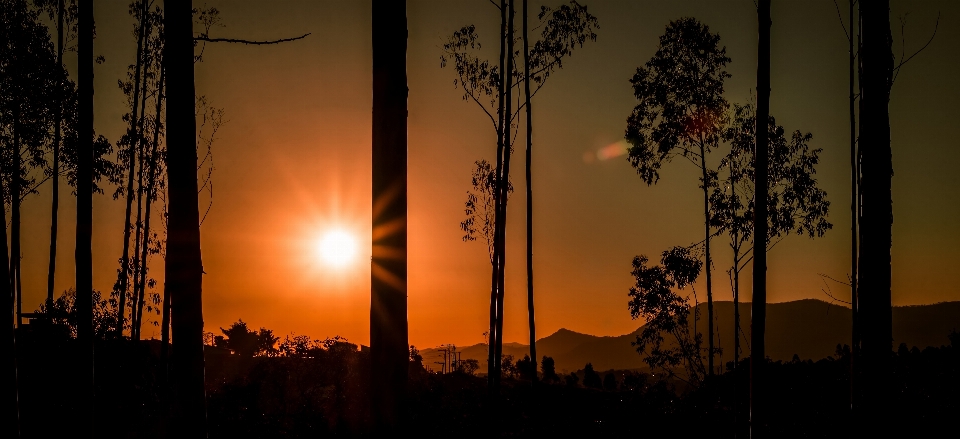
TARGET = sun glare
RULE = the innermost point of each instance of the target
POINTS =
(337, 248)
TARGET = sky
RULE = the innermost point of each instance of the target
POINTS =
(292, 163)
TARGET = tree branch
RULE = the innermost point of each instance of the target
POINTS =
(251, 42)
(896, 70)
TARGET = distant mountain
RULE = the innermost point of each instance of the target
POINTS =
(808, 328)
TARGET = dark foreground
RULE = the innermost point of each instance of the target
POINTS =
(323, 392)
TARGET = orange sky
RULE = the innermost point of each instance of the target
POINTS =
(293, 162)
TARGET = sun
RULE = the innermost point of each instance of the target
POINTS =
(337, 248)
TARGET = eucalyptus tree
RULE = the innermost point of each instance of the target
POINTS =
(758, 311)
(83, 253)
(65, 16)
(681, 113)
(184, 268)
(11, 392)
(388, 264)
(563, 29)
(669, 340)
(795, 202)
(127, 154)
(28, 96)
(876, 213)
(11, 420)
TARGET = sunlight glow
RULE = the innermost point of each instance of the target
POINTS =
(337, 248)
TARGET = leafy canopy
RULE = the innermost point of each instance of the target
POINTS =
(680, 108)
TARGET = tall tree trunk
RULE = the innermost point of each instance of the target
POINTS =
(83, 252)
(12, 419)
(389, 350)
(505, 183)
(15, 194)
(55, 202)
(493, 361)
(140, 283)
(526, 92)
(138, 266)
(854, 208)
(165, 306)
(137, 262)
(876, 219)
(758, 419)
(184, 266)
(151, 187)
(123, 275)
(708, 263)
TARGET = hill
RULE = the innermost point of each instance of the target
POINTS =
(808, 328)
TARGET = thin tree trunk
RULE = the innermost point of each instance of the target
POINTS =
(15, 193)
(83, 251)
(184, 266)
(876, 219)
(389, 350)
(736, 341)
(141, 282)
(854, 180)
(493, 361)
(706, 243)
(122, 277)
(154, 159)
(137, 262)
(758, 419)
(526, 92)
(12, 419)
(55, 203)
(505, 184)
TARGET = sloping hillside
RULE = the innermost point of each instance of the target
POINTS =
(808, 328)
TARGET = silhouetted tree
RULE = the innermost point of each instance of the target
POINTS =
(388, 264)
(528, 162)
(526, 368)
(758, 419)
(504, 156)
(668, 314)
(183, 271)
(131, 141)
(508, 368)
(63, 312)
(65, 17)
(29, 93)
(468, 366)
(854, 213)
(11, 394)
(480, 208)
(681, 112)
(567, 26)
(795, 202)
(246, 342)
(84, 232)
(876, 214)
(591, 378)
(549, 369)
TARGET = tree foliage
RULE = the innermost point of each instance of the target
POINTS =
(795, 202)
(63, 313)
(247, 342)
(669, 340)
(681, 108)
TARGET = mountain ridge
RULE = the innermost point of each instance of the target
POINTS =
(822, 325)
